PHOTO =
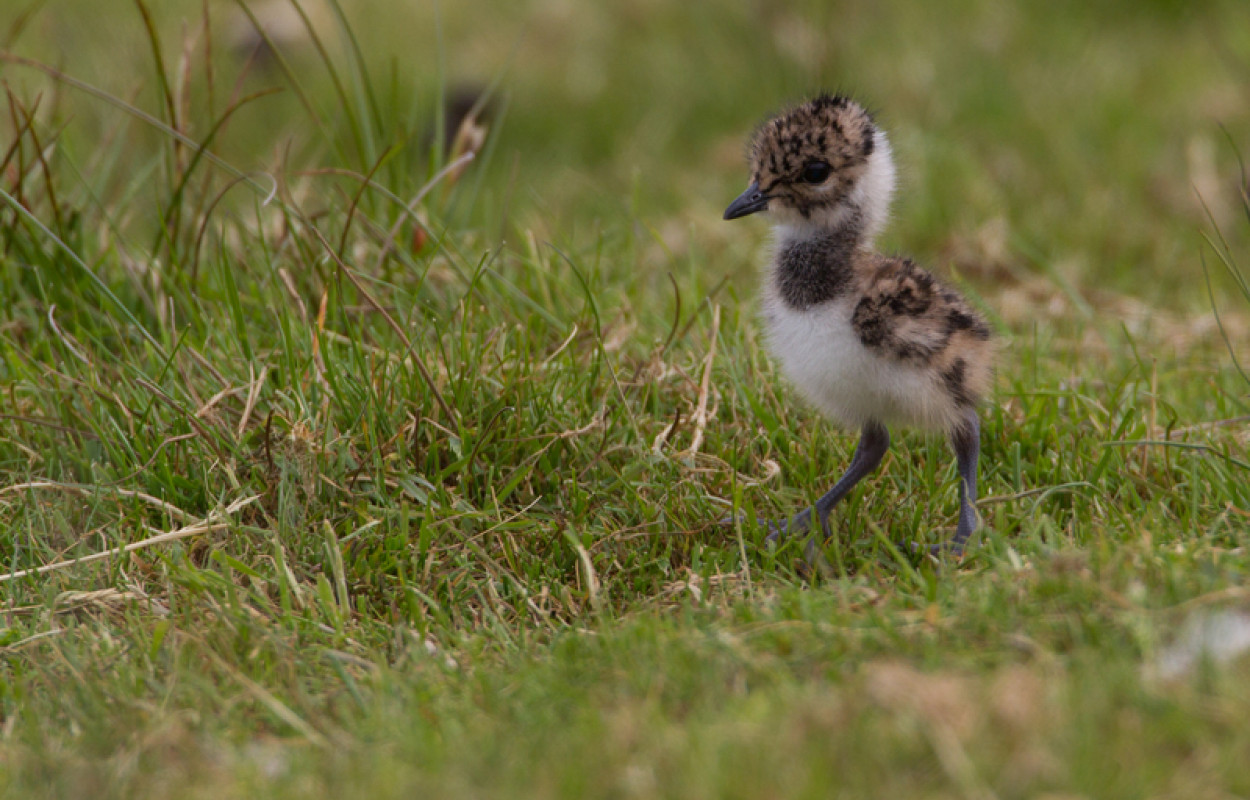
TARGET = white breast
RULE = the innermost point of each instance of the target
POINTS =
(820, 352)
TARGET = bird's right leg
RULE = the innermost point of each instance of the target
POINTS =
(874, 440)
(966, 442)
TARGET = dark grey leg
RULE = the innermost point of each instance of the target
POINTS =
(874, 440)
(966, 441)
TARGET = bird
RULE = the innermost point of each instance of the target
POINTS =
(871, 340)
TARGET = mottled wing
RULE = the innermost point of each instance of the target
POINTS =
(906, 315)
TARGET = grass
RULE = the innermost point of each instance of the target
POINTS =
(419, 469)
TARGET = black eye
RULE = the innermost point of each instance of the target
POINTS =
(816, 172)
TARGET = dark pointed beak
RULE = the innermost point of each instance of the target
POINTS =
(749, 202)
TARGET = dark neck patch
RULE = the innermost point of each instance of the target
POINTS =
(815, 270)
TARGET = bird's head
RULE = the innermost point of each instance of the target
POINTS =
(818, 164)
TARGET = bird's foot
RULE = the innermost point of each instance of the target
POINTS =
(778, 529)
(953, 548)
(799, 525)
(955, 551)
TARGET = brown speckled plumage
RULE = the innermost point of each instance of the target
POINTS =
(831, 128)
(905, 315)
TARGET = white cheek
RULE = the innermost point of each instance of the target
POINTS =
(876, 187)
(798, 226)
(786, 217)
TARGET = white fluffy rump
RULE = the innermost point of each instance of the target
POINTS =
(821, 354)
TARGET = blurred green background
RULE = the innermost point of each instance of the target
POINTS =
(1073, 135)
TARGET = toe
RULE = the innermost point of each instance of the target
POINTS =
(951, 549)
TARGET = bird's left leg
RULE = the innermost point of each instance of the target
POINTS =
(874, 440)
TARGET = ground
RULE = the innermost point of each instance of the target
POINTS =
(420, 458)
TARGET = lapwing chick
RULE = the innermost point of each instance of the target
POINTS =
(871, 340)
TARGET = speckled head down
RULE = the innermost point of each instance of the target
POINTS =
(829, 129)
